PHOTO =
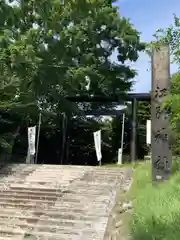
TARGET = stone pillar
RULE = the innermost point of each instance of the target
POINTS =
(160, 122)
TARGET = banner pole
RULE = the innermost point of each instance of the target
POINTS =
(37, 145)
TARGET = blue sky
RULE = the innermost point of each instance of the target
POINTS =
(147, 16)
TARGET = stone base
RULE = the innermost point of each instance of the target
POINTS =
(147, 157)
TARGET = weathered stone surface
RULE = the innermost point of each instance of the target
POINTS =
(118, 222)
(50, 202)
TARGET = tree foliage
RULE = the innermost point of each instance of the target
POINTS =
(49, 51)
(173, 101)
(171, 36)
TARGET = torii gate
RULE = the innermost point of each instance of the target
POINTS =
(160, 127)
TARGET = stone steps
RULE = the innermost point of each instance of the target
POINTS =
(56, 202)
(17, 233)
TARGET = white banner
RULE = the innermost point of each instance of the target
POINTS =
(148, 132)
(32, 140)
(97, 143)
(120, 156)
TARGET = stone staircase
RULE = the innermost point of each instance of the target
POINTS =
(50, 202)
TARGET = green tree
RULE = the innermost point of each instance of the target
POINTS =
(54, 50)
(171, 36)
(63, 47)
(173, 101)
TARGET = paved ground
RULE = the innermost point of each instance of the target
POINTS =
(50, 202)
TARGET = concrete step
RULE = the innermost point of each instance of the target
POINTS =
(35, 188)
(29, 234)
(52, 218)
(44, 224)
(4, 199)
(56, 202)
(34, 204)
(48, 198)
(45, 192)
(19, 234)
(28, 197)
(63, 213)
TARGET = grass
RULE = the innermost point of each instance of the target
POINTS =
(156, 209)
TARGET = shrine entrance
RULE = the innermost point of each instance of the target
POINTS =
(130, 97)
(160, 130)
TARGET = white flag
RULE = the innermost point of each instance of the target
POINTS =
(32, 140)
(148, 132)
(97, 143)
(120, 156)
